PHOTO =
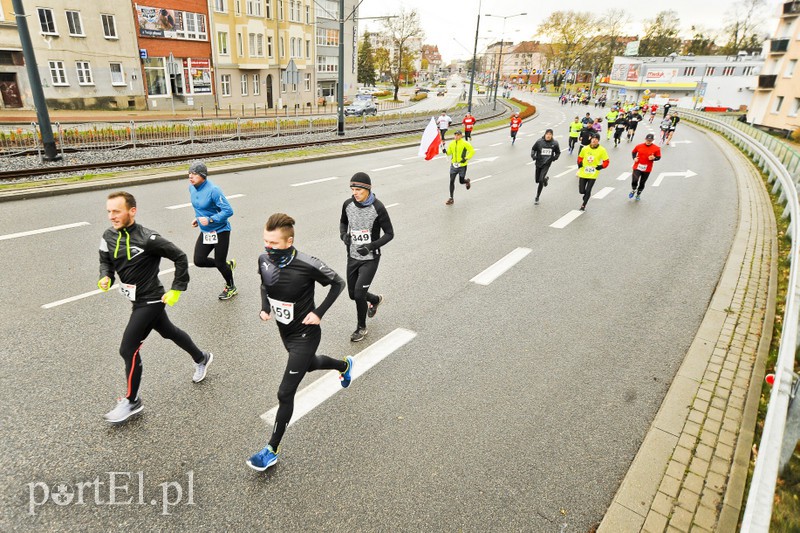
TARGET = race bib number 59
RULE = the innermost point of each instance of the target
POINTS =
(282, 311)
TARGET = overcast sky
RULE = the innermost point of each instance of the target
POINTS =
(450, 24)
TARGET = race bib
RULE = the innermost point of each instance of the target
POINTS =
(547, 151)
(642, 167)
(361, 236)
(128, 291)
(589, 170)
(210, 237)
(282, 311)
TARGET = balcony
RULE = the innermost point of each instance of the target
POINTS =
(778, 46)
(791, 9)
(767, 81)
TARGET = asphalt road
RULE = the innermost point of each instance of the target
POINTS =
(518, 406)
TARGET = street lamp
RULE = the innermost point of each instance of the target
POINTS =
(500, 61)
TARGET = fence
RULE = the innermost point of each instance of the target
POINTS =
(780, 162)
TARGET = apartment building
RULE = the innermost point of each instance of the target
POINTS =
(14, 88)
(776, 102)
(327, 48)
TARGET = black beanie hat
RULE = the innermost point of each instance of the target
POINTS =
(361, 180)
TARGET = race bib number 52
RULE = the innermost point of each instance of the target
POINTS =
(128, 290)
(210, 237)
(282, 311)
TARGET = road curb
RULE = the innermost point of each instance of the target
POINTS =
(688, 474)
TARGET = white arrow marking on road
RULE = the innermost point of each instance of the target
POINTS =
(565, 172)
(673, 143)
(181, 206)
(43, 230)
(314, 181)
(385, 168)
(624, 176)
(602, 193)
(490, 159)
(500, 267)
(327, 385)
(495, 144)
(562, 222)
(660, 178)
(479, 179)
(98, 291)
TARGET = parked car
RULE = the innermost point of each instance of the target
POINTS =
(421, 90)
(441, 92)
(360, 108)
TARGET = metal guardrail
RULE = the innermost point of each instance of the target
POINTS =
(775, 158)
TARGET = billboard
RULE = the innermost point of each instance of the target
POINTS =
(661, 76)
(619, 71)
(159, 22)
(632, 48)
(633, 73)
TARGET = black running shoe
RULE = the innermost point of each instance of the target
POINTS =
(358, 335)
(373, 308)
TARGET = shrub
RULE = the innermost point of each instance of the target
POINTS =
(418, 97)
(796, 135)
(528, 110)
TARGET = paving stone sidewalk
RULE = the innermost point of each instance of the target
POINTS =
(690, 471)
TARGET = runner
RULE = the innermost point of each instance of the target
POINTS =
(667, 107)
(363, 218)
(443, 123)
(591, 161)
(653, 109)
(674, 119)
(587, 120)
(211, 212)
(586, 135)
(460, 152)
(665, 125)
(469, 123)
(543, 153)
(287, 294)
(634, 118)
(611, 118)
(620, 126)
(516, 123)
(133, 253)
(643, 156)
(575, 128)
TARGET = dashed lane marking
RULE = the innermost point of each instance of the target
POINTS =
(43, 230)
(501, 266)
(564, 221)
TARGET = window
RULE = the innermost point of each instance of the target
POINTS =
(327, 64)
(256, 45)
(307, 81)
(254, 7)
(728, 71)
(46, 21)
(790, 69)
(795, 107)
(778, 104)
(238, 8)
(280, 10)
(269, 46)
(240, 44)
(58, 76)
(155, 75)
(327, 37)
(225, 83)
(291, 47)
(117, 74)
(256, 84)
(260, 44)
(748, 71)
(222, 42)
(710, 71)
(252, 43)
(109, 26)
(84, 73)
(194, 26)
(281, 47)
(308, 49)
(244, 84)
(688, 71)
(220, 7)
(268, 5)
(74, 23)
(308, 14)
(329, 9)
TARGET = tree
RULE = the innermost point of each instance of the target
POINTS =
(381, 58)
(572, 35)
(408, 69)
(366, 62)
(744, 21)
(661, 35)
(701, 43)
(400, 30)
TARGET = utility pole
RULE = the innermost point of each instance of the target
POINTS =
(340, 82)
(474, 60)
(42, 114)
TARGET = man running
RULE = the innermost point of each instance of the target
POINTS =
(667, 107)
(665, 125)
(443, 123)
(653, 109)
(543, 153)
(611, 118)
(516, 122)
(587, 120)
(591, 161)
(673, 123)
(211, 214)
(460, 152)
(363, 218)
(287, 295)
(469, 123)
(620, 126)
(133, 253)
(575, 128)
(643, 156)
(586, 135)
(634, 118)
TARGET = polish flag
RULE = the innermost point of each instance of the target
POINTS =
(431, 141)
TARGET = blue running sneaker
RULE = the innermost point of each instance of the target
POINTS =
(630, 194)
(346, 376)
(638, 196)
(263, 459)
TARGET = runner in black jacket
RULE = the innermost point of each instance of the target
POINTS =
(134, 253)
(363, 218)
(543, 153)
(287, 294)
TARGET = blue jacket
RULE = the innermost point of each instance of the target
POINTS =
(208, 201)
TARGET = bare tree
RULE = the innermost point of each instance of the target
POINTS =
(400, 31)
(661, 35)
(572, 34)
(745, 19)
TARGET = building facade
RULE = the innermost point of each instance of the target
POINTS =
(717, 82)
(327, 48)
(776, 102)
(432, 59)
(15, 91)
(86, 55)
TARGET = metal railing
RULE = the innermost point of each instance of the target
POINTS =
(774, 158)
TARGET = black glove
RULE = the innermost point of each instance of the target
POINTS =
(347, 239)
(463, 160)
(364, 249)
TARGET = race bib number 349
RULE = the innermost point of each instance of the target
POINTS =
(282, 311)
(361, 236)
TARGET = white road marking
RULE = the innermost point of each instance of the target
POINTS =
(495, 144)
(479, 179)
(624, 176)
(327, 385)
(314, 181)
(391, 205)
(685, 174)
(526, 164)
(410, 158)
(562, 222)
(97, 291)
(385, 168)
(181, 206)
(602, 193)
(500, 267)
(43, 230)
(565, 172)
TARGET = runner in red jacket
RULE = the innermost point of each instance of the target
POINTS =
(643, 157)
(516, 122)
(469, 123)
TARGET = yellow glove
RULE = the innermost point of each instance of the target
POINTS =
(104, 281)
(171, 297)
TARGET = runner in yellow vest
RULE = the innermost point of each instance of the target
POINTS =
(591, 160)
